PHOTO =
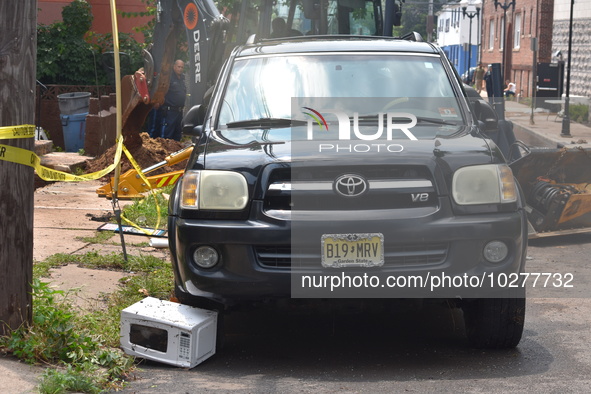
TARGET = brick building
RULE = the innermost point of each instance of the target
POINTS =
(528, 19)
(50, 11)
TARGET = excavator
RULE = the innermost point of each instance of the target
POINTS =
(210, 36)
(557, 190)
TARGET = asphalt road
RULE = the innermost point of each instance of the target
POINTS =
(404, 350)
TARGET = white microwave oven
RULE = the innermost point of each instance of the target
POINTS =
(168, 332)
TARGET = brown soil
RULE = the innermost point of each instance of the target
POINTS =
(152, 151)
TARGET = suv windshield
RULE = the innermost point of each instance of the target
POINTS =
(261, 88)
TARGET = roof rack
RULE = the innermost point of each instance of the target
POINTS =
(412, 36)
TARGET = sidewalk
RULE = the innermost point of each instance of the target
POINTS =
(546, 127)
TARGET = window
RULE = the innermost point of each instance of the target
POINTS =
(491, 34)
(446, 25)
(517, 32)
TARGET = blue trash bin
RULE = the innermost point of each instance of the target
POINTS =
(74, 128)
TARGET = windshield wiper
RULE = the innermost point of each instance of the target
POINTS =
(435, 121)
(265, 122)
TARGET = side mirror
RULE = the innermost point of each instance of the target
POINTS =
(477, 108)
(485, 114)
(193, 121)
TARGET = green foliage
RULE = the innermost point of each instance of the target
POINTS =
(414, 18)
(111, 261)
(82, 347)
(578, 113)
(69, 54)
(130, 51)
(56, 336)
(77, 17)
(146, 29)
(151, 276)
(157, 282)
(144, 212)
(68, 380)
(100, 237)
(63, 56)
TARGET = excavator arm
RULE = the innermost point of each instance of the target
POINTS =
(205, 32)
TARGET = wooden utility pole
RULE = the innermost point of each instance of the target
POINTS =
(18, 52)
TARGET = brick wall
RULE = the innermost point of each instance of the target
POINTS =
(535, 21)
(47, 115)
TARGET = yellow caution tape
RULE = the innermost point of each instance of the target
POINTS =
(147, 182)
(17, 155)
(22, 131)
(28, 158)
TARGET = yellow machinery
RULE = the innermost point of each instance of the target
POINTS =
(131, 184)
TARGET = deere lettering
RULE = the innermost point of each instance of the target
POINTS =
(3, 151)
(197, 58)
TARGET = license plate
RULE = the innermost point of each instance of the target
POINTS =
(352, 250)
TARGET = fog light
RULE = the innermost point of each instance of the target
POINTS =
(495, 251)
(206, 256)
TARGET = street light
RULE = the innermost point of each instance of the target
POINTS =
(505, 6)
(470, 15)
(566, 119)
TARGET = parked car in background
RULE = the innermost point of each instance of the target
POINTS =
(468, 76)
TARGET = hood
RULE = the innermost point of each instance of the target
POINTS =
(233, 149)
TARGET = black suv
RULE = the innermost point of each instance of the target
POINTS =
(348, 167)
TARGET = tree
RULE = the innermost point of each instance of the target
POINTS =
(414, 17)
(18, 20)
(68, 53)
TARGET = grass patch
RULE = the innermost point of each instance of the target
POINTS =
(100, 237)
(58, 337)
(151, 211)
(82, 347)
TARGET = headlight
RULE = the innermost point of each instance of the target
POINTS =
(214, 190)
(486, 184)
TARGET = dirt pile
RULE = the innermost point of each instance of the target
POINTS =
(150, 152)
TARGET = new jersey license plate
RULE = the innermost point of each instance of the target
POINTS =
(352, 250)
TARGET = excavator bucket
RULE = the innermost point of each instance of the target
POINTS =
(557, 187)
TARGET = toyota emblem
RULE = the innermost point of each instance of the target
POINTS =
(350, 185)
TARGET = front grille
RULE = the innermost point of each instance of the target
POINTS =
(281, 257)
(313, 189)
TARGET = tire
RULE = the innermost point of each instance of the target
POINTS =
(494, 323)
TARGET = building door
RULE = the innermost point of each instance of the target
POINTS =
(549, 84)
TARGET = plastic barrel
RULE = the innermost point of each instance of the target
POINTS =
(74, 128)
(73, 103)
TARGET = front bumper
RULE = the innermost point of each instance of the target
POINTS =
(263, 258)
